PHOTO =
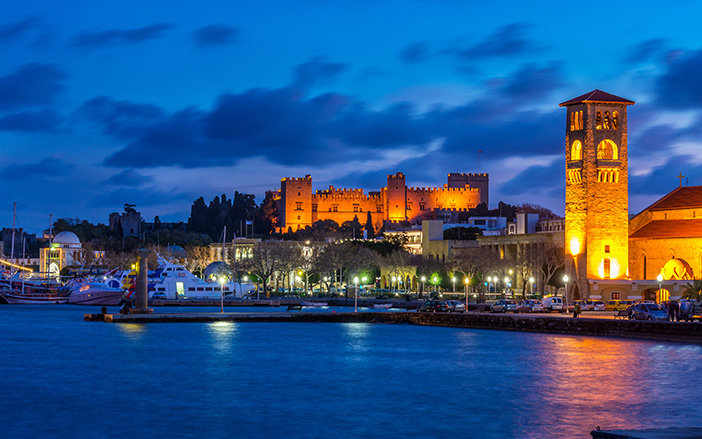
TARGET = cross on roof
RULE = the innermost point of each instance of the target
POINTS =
(680, 176)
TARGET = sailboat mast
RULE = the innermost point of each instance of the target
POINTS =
(224, 241)
(14, 216)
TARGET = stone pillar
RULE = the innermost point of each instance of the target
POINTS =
(141, 294)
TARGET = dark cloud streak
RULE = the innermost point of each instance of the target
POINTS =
(31, 85)
(89, 40)
(215, 35)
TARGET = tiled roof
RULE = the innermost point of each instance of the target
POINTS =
(597, 96)
(683, 197)
(690, 228)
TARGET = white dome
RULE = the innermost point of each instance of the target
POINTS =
(66, 237)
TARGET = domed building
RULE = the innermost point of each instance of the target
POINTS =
(65, 250)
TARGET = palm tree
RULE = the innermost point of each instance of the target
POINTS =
(693, 290)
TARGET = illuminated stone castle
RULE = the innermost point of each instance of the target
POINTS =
(299, 207)
(597, 199)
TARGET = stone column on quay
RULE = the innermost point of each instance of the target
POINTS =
(141, 294)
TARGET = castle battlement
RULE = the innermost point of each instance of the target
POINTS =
(306, 179)
(467, 175)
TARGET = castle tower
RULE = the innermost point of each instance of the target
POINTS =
(296, 200)
(597, 200)
(479, 181)
(396, 197)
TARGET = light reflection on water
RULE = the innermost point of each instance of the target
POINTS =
(261, 380)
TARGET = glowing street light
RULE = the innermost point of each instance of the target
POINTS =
(453, 279)
(466, 281)
(424, 279)
(660, 287)
(436, 283)
(565, 280)
(531, 285)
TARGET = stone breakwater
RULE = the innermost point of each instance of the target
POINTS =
(644, 330)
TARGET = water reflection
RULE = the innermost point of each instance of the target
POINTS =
(222, 334)
(132, 331)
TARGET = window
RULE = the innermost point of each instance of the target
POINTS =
(607, 248)
(335, 208)
(605, 125)
(576, 151)
(422, 206)
(598, 121)
(298, 217)
(615, 120)
(355, 207)
(615, 295)
(379, 209)
(298, 206)
(409, 206)
(607, 150)
(607, 268)
(314, 208)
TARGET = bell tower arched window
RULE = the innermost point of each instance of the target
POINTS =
(576, 151)
(607, 150)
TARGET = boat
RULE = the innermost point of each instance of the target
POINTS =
(381, 305)
(172, 281)
(95, 293)
(17, 290)
(315, 304)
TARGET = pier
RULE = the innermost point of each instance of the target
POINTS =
(642, 330)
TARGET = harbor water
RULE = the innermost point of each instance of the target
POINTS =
(63, 377)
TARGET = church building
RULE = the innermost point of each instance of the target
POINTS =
(608, 256)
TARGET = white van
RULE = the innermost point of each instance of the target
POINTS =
(552, 303)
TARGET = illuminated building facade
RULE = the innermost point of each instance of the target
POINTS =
(299, 206)
(597, 200)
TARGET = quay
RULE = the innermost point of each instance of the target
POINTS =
(634, 329)
(658, 433)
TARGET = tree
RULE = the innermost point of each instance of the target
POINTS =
(265, 260)
(370, 231)
(549, 258)
(129, 208)
(693, 290)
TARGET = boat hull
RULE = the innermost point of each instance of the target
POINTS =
(107, 298)
(30, 299)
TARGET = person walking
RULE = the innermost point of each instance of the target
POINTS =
(673, 311)
(577, 310)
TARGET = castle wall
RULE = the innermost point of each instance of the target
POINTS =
(477, 181)
(296, 202)
(421, 202)
(343, 205)
(396, 195)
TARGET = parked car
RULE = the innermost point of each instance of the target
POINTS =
(504, 305)
(434, 306)
(456, 306)
(648, 311)
(552, 303)
(618, 305)
(690, 310)
(598, 305)
(158, 295)
(536, 306)
(587, 305)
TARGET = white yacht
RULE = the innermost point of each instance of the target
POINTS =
(95, 293)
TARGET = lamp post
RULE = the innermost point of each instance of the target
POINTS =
(506, 285)
(355, 300)
(424, 279)
(392, 285)
(531, 285)
(453, 279)
(565, 281)
(436, 284)
(221, 284)
(489, 285)
(660, 287)
(325, 281)
(466, 281)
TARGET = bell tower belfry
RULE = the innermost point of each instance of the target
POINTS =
(597, 194)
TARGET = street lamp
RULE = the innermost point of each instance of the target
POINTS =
(436, 283)
(221, 284)
(355, 301)
(660, 287)
(506, 284)
(424, 279)
(531, 285)
(325, 281)
(392, 286)
(466, 281)
(565, 280)
(453, 279)
(489, 284)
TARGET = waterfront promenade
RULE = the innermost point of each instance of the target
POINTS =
(541, 323)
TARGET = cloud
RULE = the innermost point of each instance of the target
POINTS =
(645, 51)
(215, 35)
(662, 179)
(14, 31)
(509, 40)
(415, 52)
(47, 167)
(121, 119)
(31, 85)
(129, 178)
(532, 82)
(41, 120)
(535, 179)
(679, 86)
(88, 40)
(141, 197)
(316, 71)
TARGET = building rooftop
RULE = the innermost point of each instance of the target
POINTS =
(683, 197)
(597, 96)
(689, 228)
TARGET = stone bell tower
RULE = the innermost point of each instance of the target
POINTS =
(597, 194)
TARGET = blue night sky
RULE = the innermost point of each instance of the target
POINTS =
(156, 103)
